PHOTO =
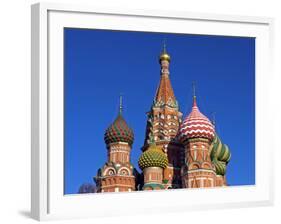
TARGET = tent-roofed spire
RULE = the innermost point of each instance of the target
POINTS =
(165, 93)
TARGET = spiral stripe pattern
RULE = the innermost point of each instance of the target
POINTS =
(220, 155)
(119, 131)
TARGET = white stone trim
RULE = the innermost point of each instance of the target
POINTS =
(205, 170)
(124, 168)
(107, 169)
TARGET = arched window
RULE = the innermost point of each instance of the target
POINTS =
(194, 166)
(124, 171)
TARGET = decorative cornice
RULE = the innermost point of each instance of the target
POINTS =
(198, 140)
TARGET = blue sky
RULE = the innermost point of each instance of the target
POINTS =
(100, 64)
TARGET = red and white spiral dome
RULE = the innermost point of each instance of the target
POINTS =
(196, 125)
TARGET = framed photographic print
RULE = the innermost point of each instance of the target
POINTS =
(138, 111)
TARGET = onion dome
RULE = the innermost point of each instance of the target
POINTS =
(219, 150)
(220, 167)
(153, 157)
(119, 131)
(164, 56)
(220, 155)
(196, 125)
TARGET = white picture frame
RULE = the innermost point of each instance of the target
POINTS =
(48, 201)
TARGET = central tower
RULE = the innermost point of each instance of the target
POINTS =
(163, 121)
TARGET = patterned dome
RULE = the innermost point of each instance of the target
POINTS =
(153, 157)
(196, 125)
(220, 155)
(119, 131)
(219, 150)
(220, 167)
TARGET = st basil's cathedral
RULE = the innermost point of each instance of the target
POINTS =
(177, 152)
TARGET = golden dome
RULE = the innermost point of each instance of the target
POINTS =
(164, 57)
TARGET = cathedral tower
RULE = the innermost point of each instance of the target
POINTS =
(118, 173)
(196, 133)
(163, 123)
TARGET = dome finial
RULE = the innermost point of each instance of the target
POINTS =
(164, 46)
(120, 103)
(194, 94)
(164, 56)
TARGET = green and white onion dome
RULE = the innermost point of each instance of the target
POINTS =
(220, 155)
(153, 157)
(220, 167)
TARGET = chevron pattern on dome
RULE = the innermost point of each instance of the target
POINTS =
(196, 125)
(119, 131)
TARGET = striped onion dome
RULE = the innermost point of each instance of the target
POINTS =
(220, 155)
(153, 157)
(119, 131)
(196, 125)
(220, 167)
